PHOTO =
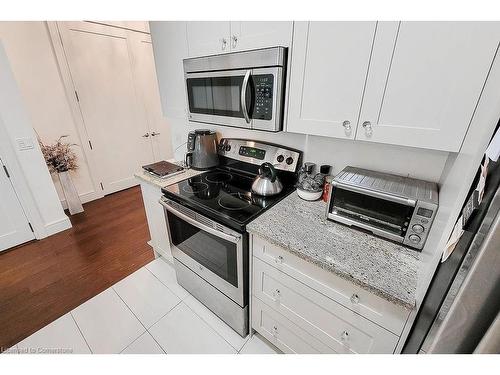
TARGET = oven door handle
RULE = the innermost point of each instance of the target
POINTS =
(199, 225)
(243, 97)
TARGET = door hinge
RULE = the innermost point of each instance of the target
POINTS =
(90, 144)
(31, 227)
(77, 98)
(6, 171)
(102, 187)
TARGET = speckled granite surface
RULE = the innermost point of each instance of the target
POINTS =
(382, 267)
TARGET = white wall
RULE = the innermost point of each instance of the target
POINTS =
(30, 175)
(35, 68)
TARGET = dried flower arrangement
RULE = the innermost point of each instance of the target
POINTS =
(59, 156)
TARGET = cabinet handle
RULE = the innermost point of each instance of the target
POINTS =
(224, 43)
(278, 259)
(146, 135)
(347, 127)
(154, 134)
(368, 128)
(275, 331)
(344, 336)
(234, 39)
(277, 295)
(355, 298)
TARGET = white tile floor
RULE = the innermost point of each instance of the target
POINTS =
(145, 313)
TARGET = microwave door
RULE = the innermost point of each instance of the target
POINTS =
(268, 90)
(216, 97)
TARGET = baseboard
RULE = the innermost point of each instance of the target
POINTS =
(57, 226)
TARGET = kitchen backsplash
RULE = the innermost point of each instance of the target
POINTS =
(417, 163)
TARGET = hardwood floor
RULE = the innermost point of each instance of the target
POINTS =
(43, 280)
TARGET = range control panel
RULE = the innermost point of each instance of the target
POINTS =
(264, 84)
(254, 152)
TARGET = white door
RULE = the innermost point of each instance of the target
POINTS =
(247, 35)
(424, 82)
(147, 83)
(328, 71)
(100, 62)
(14, 226)
(208, 37)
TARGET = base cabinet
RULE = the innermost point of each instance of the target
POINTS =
(298, 317)
(156, 220)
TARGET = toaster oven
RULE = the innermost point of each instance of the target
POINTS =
(397, 208)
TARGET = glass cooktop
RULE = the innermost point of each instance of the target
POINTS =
(223, 193)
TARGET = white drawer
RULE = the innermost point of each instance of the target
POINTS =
(375, 308)
(340, 328)
(283, 333)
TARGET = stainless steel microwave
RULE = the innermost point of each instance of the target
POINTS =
(398, 208)
(241, 89)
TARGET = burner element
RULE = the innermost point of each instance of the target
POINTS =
(234, 201)
(218, 177)
(195, 187)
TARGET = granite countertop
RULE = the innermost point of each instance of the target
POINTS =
(382, 267)
(163, 182)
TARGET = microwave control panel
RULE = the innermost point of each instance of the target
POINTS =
(264, 87)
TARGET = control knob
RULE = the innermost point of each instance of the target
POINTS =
(228, 147)
(280, 158)
(414, 238)
(289, 160)
(417, 228)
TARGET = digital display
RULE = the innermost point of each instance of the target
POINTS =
(424, 212)
(252, 152)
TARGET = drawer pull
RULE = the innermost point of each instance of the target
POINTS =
(344, 336)
(278, 259)
(355, 298)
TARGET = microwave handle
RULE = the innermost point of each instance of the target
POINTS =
(243, 97)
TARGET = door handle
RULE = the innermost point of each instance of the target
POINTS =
(154, 134)
(146, 135)
(243, 97)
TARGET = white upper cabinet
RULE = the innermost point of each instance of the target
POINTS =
(209, 38)
(328, 71)
(246, 35)
(424, 82)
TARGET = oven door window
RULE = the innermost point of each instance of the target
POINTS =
(390, 216)
(212, 252)
(220, 96)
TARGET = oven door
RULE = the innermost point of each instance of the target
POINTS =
(216, 255)
(250, 99)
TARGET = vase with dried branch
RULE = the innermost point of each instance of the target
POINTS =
(61, 159)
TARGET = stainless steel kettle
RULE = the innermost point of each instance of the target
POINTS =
(267, 182)
(202, 149)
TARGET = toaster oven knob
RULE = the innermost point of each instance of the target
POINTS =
(289, 160)
(280, 158)
(417, 228)
(414, 238)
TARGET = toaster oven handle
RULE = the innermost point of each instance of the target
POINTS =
(243, 97)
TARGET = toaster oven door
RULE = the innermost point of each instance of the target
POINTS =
(384, 217)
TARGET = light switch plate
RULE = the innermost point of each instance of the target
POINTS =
(25, 143)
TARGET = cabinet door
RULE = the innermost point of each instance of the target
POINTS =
(424, 82)
(157, 224)
(208, 37)
(256, 34)
(328, 70)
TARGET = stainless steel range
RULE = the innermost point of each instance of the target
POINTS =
(207, 216)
